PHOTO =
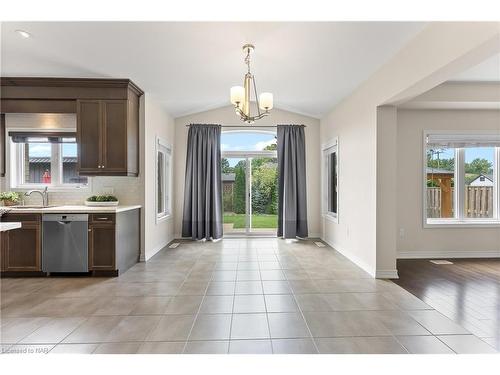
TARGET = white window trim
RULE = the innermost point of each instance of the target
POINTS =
(163, 146)
(13, 174)
(330, 216)
(460, 222)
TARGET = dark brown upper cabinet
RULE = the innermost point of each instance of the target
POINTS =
(105, 144)
(2, 145)
(107, 117)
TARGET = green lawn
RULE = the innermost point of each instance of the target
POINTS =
(258, 221)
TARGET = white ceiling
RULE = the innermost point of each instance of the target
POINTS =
(189, 67)
(487, 71)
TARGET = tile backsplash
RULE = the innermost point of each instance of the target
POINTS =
(128, 190)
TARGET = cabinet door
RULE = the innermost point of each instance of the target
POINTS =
(3, 256)
(22, 248)
(89, 136)
(102, 247)
(2, 145)
(115, 136)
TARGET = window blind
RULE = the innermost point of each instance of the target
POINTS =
(463, 140)
(42, 137)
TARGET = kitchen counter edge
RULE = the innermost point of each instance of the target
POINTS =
(75, 209)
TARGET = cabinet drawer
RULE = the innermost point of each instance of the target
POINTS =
(31, 218)
(102, 218)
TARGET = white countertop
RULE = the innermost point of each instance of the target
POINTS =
(4, 227)
(74, 209)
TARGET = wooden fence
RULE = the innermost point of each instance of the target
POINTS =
(478, 202)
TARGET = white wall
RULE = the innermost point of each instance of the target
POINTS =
(439, 52)
(227, 116)
(158, 123)
(435, 242)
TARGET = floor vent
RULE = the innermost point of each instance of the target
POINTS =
(320, 244)
(440, 261)
(173, 245)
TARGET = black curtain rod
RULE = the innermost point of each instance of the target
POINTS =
(247, 126)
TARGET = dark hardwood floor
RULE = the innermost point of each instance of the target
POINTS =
(467, 291)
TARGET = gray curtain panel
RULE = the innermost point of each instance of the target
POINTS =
(202, 216)
(292, 195)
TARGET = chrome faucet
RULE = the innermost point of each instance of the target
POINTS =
(44, 193)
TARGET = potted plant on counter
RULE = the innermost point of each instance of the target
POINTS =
(102, 201)
(10, 198)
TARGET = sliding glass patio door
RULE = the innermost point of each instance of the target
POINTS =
(250, 197)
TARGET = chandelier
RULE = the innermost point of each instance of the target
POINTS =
(241, 96)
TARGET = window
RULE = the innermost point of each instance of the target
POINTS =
(330, 181)
(41, 159)
(249, 169)
(163, 179)
(461, 179)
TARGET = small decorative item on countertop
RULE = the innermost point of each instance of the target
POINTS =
(10, 198)
(102, 201)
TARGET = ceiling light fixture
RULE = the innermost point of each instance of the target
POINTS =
(241, 96)
(24, 34)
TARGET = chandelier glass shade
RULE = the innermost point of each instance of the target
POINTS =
(241, 96)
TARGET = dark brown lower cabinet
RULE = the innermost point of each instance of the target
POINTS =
(114, 242)
(22, 248)
(101, 246)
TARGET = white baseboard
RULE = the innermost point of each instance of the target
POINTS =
(155, 250)
(352, 258)
(387, 274)
(433, 254)
(178, 236)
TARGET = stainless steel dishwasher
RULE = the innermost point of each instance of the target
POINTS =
(65, 243)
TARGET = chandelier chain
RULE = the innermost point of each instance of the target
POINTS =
(247, 59)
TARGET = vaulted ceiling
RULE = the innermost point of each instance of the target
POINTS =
(486, 71)
(189, 67)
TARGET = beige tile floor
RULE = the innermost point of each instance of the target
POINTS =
(233, 296)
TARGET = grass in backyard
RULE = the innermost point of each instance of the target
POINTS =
(258, 221)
